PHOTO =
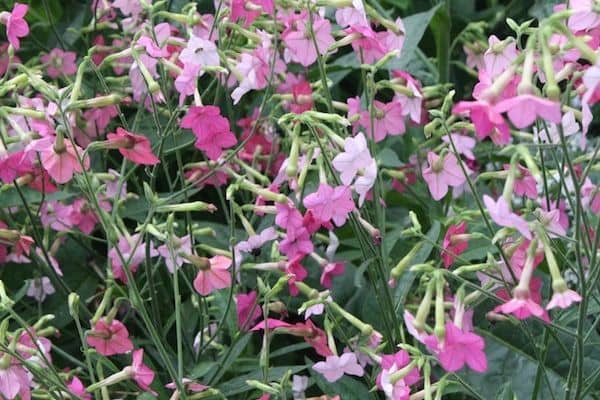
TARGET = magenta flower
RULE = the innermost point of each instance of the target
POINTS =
(329, 203)
(391, 363)
(134, 147)
(502, 215)
(140, 372)
(296, 242)
(355, 157)
(313, 335)
(330, 270)
(453, 247)
(524, 109)
(459, 348)
(212, 131)
(77, 388)
(215, 275)
(248, 310)
(486, 119)
(16, 26)
(334, 367)
(109, 338)
(59, 62)
(299, 41)
(442, 173)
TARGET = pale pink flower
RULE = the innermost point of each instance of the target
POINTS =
(334, 367)
(524, 184)
(355, 157)
(299, 42)
(459, 348)
(200, 52)
(524, 109)
(502, 215)
(329, 203)
(499, 56)
(585, 15)
(365, 181)
(255, 70)
(349, 16)
(16, 26)
(174, 251)
(214, 276)
(15, 380)
(187, 82)
(59, 62)
(156, 45)
(464, 144)
(391, 363)
(550, 220)
(133, 254)
(39, 288)
(442, 173)
(254, 242)
(563, 299)
(109, 338)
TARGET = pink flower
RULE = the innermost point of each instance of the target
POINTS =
(487, 120)
(39, 288)
(15, 380)
(563, 298)
(59, 62)
(453, 248)
(442, 173)
(297, 242)
(334, 367)
(585, 15)
(391, 363)
(174, 251)
(189, 384)
(299, 42)
(248, 310)
(550, 220)
(355, 157)
(313, 335)
(109, 338)
(464, 144)
(330, 270)
(133, 254)
(499, 56)
(16, 26)
(62, 162)
(133, 147)
(303, 100)
(77, 388)
(524, 109)
(525, 184)
(249, 10)
(329, 203)
(200, 53)
(522, 306)
(368, 43)
(212, 131)
(501, 214)
(156, 45)
(459, 348)
(364, 183)
(214, 276)
(255, 68)
(388, 120)
(140, 372)
(254, 242)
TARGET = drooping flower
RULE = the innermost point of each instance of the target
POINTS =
(213, 275)
(442, 173)
(16, 26)
(329, 203)
(330, 270)
(459, 348)
(249, 10)
(77, 388)
(248, 310)
(109, 338)
(334, 367)
(313, 335)
(140, 372)
(486, 119)
(499, 55)
(155, 45)
(14, 381)
(212, 130)
(524, 184)
(133, 147)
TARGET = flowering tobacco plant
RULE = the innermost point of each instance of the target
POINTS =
(275, 199)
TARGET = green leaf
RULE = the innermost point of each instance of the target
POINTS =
(388, 158)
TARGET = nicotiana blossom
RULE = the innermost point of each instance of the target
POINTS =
(502, 215)
(334, 367)
(133, 147)
(458, 348)
(59, 62)
(131, 252)
(39, 288)
(109, 337)
(174, 251)
(16, 26)
(300, 46)
(452, 245)
(329, 203)
(212, 131)
(441, 173)
(213, 274)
